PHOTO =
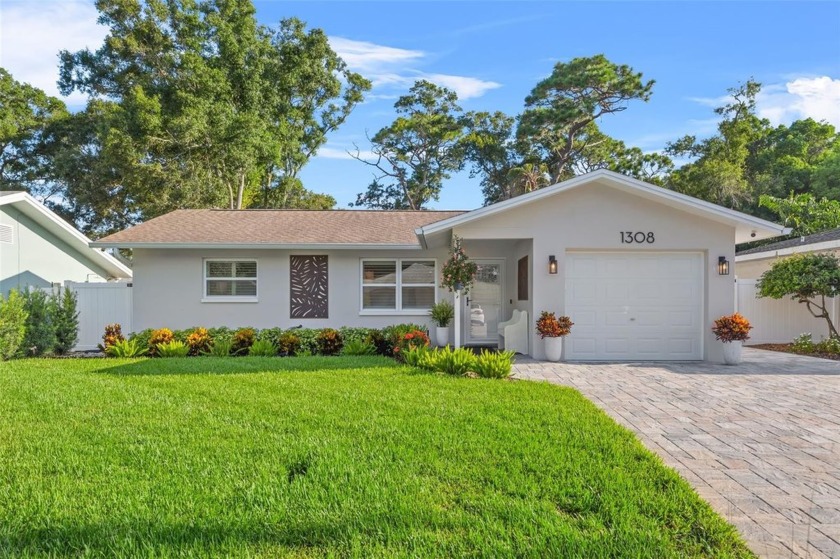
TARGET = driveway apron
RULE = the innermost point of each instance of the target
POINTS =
(759, 441)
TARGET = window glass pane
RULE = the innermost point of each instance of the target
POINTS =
(217, 288)
(418, 271)
(219, 269)
(418, 297)
(245, 288)
(246, 269)
(380, 272)
(379, 297)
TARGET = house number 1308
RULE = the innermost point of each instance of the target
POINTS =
(639, 237)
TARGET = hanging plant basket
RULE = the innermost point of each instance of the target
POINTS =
(458, 272)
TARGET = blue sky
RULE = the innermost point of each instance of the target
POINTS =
(493, 53)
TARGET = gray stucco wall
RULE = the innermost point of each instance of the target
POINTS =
(37, 258)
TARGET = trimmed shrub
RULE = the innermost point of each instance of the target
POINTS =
(199, 341)
(126, 349)
(270, 334)
(288, 344)
(112, 335)
(308, 341)
(349, 334)
(65, 321)
(39, 337)
(803, 343)
(355, 347)
(13, 317)
(829, 346)
(329, 341)
(378, 340)
(263, 348)
(454, 361)
(420, 356)
(410, 340)
(173, 348)
(242, 340)
(221, 347)
(492, 364)
(158, 338)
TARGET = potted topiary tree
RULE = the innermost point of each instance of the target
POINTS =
(442, 314)
(733, 330)
(552, 329)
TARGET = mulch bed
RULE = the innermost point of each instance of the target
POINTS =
(786, 348)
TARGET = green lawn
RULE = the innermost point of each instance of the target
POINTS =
(313, 457)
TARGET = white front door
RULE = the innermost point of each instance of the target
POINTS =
(635, 306)
(483, 305)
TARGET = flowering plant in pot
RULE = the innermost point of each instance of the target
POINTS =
(552, 329)
(732, 330)
(442, 314)
(458, 272)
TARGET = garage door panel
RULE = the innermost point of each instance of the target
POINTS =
(637, 306)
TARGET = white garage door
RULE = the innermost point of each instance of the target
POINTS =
(635, 306)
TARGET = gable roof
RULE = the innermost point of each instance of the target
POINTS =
(747, 227)
(823, 240)
(277, 229)
(51, 222)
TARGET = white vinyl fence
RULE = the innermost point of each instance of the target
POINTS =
(100, 304)
(778, 321)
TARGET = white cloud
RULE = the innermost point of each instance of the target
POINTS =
(328, 152)
(395, 68)
(362, 56)
(804, 97)
(33, 33)
(816, 97)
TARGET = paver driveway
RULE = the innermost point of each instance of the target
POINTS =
(759, 441)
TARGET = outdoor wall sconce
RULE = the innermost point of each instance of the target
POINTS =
(723, 266)
(552, 264)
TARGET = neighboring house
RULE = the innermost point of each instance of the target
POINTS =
(634, 265)
(779, 321)
(39, 249)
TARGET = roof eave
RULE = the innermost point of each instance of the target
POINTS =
(255, 246)
(788, 251)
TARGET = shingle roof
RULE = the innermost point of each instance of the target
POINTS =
(278, 227)
(821, 237)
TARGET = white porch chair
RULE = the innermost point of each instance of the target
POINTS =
(513, 333)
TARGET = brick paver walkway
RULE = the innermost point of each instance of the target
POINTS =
(759, 441)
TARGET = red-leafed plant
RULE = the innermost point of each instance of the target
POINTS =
(549, 326)
(732, 328)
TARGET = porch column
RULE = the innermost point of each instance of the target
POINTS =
(457, 319)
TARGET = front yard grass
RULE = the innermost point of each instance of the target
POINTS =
(314, 457)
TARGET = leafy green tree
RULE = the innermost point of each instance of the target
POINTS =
(195, 104)
(13, 317)
(803, 213)
(491, 150)
(65, 320)
(561, 108)
(720, 172)
(28, 117)
(39, 337)
(788, 158)
(826, 178)
(806, 278)
(416, 152)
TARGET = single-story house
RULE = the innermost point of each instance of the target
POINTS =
(779, 321)
(39, 249)
(638, 268)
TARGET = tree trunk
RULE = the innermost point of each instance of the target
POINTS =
(240, 191)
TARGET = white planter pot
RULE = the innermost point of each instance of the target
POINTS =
(442, 336)
(553, 349)
(732, 352)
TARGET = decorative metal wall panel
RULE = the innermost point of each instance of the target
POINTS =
(309, 292)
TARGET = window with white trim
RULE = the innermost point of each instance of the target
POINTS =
(398, 284)
(230, 280)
